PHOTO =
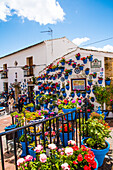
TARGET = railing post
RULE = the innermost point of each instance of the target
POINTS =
(79, 130)
(26, 142)
(1, 151)
(14, 139)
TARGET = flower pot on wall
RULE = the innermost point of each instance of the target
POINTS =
(90, 83)
(83, 95)
(91, 58)
(78, 94)
(73, 95)
(66, 77)
(67, 87)
(78, 57)
(81, 67)
(100, 81)
(87, 72)
(85, 61)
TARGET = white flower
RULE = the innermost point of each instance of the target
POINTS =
(69, 151)
(52, 146)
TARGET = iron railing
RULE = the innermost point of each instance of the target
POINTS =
(50, 124)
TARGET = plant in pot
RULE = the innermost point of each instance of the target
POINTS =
(90, 57)
(73, 64)
(77, 92)
(69, 107)
(94, 75)
(22, 141)
(81, 66)
(88, 89)
(96, 130)
(72, 94)
(90, 82)
(102, 95)
(83, 94)
(84, 59)
(62, 61)
(77, 56)
(100, 79)
(67, 85)
(108, 81)
(68, 158)
(64, 131)
(87, 71)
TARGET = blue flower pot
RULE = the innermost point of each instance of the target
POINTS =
(72, 95)
(78, 94)
(66, 137)
(45, 105)
(10, 127)
(47, 71)
(87, 72)
(92, 99)
(63, 63)
(99, 154)
(105, 114)
(58, 88)
(66, 77)
(69, 115)
(100, 81)
(24, 148)
(64, 94)
(32, 109)
(67, 87)
(90, 83)
(59, 75)
(88, 91)
(78, 58)
(73, 65)
(62, 89)
(91, 59)
(81, 67)
(70, 73)
(54, 78)
(32, 153)
(85, 61)
(58, 93)
(108, 82)
(83, 95)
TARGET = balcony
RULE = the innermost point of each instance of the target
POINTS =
(4, 75)
(28, 73)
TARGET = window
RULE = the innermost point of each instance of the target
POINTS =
(30, 63)
(5, 86)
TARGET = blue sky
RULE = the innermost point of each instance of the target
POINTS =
(81, 21)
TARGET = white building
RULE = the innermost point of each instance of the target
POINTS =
(40, 55)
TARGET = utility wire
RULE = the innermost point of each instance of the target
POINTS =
(98, 41)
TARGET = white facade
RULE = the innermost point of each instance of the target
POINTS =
(43, 54)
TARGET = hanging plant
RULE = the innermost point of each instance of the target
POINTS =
(94, 75)
(84, 59)
(62, 61)
(87, 71)
(90, 57)
(77, 56)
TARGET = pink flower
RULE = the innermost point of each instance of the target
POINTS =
(73, 101)
(43, 158)
(69, 151)
(20, 161)
(16, 116)
(28, 158)
(79, 101)
(59, 150)
(46, 133)
(65, 166)
(34, 159)
(52, 113)
(62, 153)
(53, 133)
(38, 148)
(110, 100)
(72, 142)
(39, 114)
(52, 146)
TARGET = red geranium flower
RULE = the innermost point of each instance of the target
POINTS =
(79, 158)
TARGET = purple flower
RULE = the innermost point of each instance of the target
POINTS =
(79, 101)
(73, 101)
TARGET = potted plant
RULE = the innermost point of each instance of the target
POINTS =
(72, 94)
(94, 75)
(88, 89)
(77, 92)
(102, 95)
(67, 158)
(97, 130)
(87, 71)
(77, 56)
(64, 131)
(83, 93)
(69, 107)
(108, 81)
(84, 59)
(62, 61)
(81, 66)
(90, 57)
(22, 141)
(90, 82)
(73, 64)
(67, 85)
(100, 79)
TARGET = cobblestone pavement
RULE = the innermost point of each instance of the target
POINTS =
(6, 120)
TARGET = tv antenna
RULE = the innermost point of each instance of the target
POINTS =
(50, 31)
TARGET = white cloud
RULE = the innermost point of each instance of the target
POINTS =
(105, 48)
(79, 41)
(42, 11)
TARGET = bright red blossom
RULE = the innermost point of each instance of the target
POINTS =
(79, 158)
(75, 162)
